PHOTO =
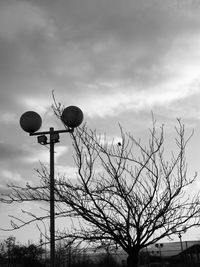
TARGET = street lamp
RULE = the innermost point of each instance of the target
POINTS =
(159, 246)
(180, 232)
(31, 122)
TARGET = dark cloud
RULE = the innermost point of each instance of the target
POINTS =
(128, 21)
(10, 153)
(74, 46)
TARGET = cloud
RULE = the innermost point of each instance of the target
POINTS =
(10, 152)
(117, 60)
(67, 172)
(8, 118)
(42, 154)
(97, 51)
(27, 153)
(40, 105)
(19, 17)
(130, 20)
(116, 101)
(25, 29)
(10, 176)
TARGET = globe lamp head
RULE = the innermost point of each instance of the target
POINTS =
(72, 116)
(30, 121)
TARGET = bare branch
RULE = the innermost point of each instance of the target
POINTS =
(126, 193)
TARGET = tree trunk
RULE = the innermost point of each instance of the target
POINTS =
(133, 256)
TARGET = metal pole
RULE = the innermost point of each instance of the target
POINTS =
(52, 213)
(180, 237)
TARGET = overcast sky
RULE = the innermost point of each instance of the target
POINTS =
(117, 60)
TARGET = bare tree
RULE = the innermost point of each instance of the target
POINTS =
(126, 193)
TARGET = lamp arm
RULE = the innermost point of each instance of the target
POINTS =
(70, 130)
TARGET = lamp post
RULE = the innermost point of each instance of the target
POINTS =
(159, 246)
(31, 122)
(180, 232)
(45, 248)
